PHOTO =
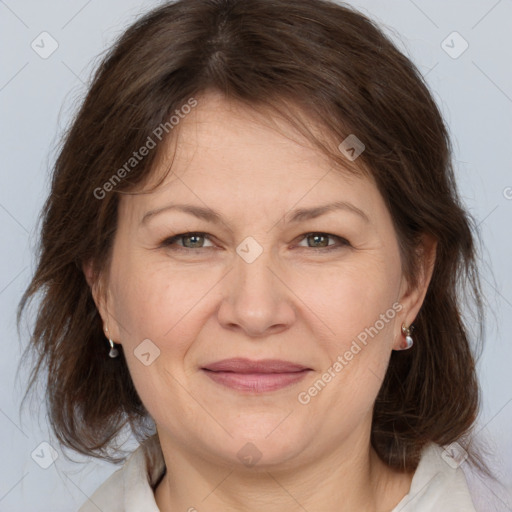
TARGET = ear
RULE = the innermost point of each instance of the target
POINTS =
(101, 296)
(412, 297)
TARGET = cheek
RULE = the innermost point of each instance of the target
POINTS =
(351, 298)
(364, 321)
(149, 305)
(155, 313)
(163, 304)
(359, 308)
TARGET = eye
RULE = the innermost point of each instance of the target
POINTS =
(195, 240)
(191, 240)
(321, 241)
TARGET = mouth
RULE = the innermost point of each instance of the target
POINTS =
(255, 376)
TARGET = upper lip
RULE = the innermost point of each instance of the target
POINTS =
(242, 365)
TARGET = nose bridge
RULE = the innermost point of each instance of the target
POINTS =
(255, 300)
(252, 266)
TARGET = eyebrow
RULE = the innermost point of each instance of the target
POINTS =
(298, 215)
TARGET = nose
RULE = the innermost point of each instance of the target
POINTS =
(256, 300)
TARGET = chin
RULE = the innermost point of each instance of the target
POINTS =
(262, 447)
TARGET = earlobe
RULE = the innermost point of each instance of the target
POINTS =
(413, 296)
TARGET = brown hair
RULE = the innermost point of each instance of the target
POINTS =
(312, 57)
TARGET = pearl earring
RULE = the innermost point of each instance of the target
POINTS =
(113, 351)
(406, 331)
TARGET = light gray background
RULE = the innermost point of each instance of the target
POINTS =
(37, 97)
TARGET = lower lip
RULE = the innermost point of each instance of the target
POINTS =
(256, 382)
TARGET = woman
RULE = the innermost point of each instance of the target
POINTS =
(252, 253)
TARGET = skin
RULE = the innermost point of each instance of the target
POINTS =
(295, 302)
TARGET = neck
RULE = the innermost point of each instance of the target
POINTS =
(349, 478)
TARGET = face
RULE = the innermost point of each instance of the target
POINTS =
(256, 281)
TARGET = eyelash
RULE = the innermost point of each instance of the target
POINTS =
(169, 243)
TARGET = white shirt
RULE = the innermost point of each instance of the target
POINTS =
(437, 486)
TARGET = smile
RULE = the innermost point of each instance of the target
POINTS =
(255, 376)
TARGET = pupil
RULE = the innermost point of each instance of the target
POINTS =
(192, 237)
(316, 237)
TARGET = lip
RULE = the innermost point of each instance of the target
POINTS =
(243, 365)
(255, 376)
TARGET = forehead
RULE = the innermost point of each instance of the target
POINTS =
(226, 154)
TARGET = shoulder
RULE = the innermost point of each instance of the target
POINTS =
(109, 496)
(130, 488)
(438, 483)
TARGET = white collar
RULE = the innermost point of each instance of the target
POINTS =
(438, 484)
(435, 486)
